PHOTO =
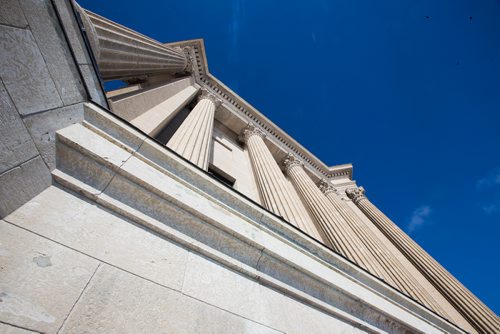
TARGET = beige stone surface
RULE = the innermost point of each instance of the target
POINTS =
(12, 14)
(21, 183)
(47, 32)
(230, 157)
(8, 329)
(43, 127)
(118, 302)
(217, 285)
(24, 72)
(133, 104)
(40, 280)
(90, 229)
(165, 203)
(16, 144)
(155, 119)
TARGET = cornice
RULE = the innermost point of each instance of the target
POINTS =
(251, 115)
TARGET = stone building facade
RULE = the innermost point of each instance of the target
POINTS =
(173, 206)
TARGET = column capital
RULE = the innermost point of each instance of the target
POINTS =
(205, 94)
(291, 161)
(326, 187)
(355, 194)
(250, 130)
(188, 51)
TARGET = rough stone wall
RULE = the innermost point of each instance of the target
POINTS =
(41, 90)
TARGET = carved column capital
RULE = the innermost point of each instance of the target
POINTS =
(205, 94)
(188, 51)
(250, 130)
(326, 187)
(291, 161)
(356, 194)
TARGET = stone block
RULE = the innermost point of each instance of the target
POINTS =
(11, 14)
(24, 72)
(216, 285)
(47, 31)
(131, 105)
(40, 280)
(117, 302)
(8, 329)
(126, 136)
(20, 184)
(16, 145)
(43, 126)
(73, 221)
(92, 82)
(67, 16)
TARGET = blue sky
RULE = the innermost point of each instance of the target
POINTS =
(407, 91)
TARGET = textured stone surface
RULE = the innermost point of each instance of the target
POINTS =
(90, 229)
(43, 126)
(11, 14)
(117, 302)
(40, 280)
(24, 72)
(93, 86)
(217, 285)
(16, 145)
(8, 329)
(19, 184)
(50, 39)
(131, 105)
(155, 119)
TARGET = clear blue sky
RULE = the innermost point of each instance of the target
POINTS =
(407, 91)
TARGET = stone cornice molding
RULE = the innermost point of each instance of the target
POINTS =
(250, 130)
(326, 187)
(291, 161)
(355, 194)
(251, 115)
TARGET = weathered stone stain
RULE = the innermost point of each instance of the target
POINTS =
(42, 261)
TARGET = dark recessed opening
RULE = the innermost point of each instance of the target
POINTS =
(221, 175)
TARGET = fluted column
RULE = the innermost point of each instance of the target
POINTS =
(338, 234)
(193, 138)
(472, 309)
(122, 53)
(275, 190)
(390, 265)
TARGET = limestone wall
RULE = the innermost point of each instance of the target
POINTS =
(73, 265)
(41, 90)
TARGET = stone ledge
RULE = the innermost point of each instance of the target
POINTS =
(138, 191)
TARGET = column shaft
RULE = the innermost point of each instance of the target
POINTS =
(122, 53)
(335, 230)
(277, 194)
(476, 313)
(193, 138)
(390, 265)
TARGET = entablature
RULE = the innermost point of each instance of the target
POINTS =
(235, 113)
